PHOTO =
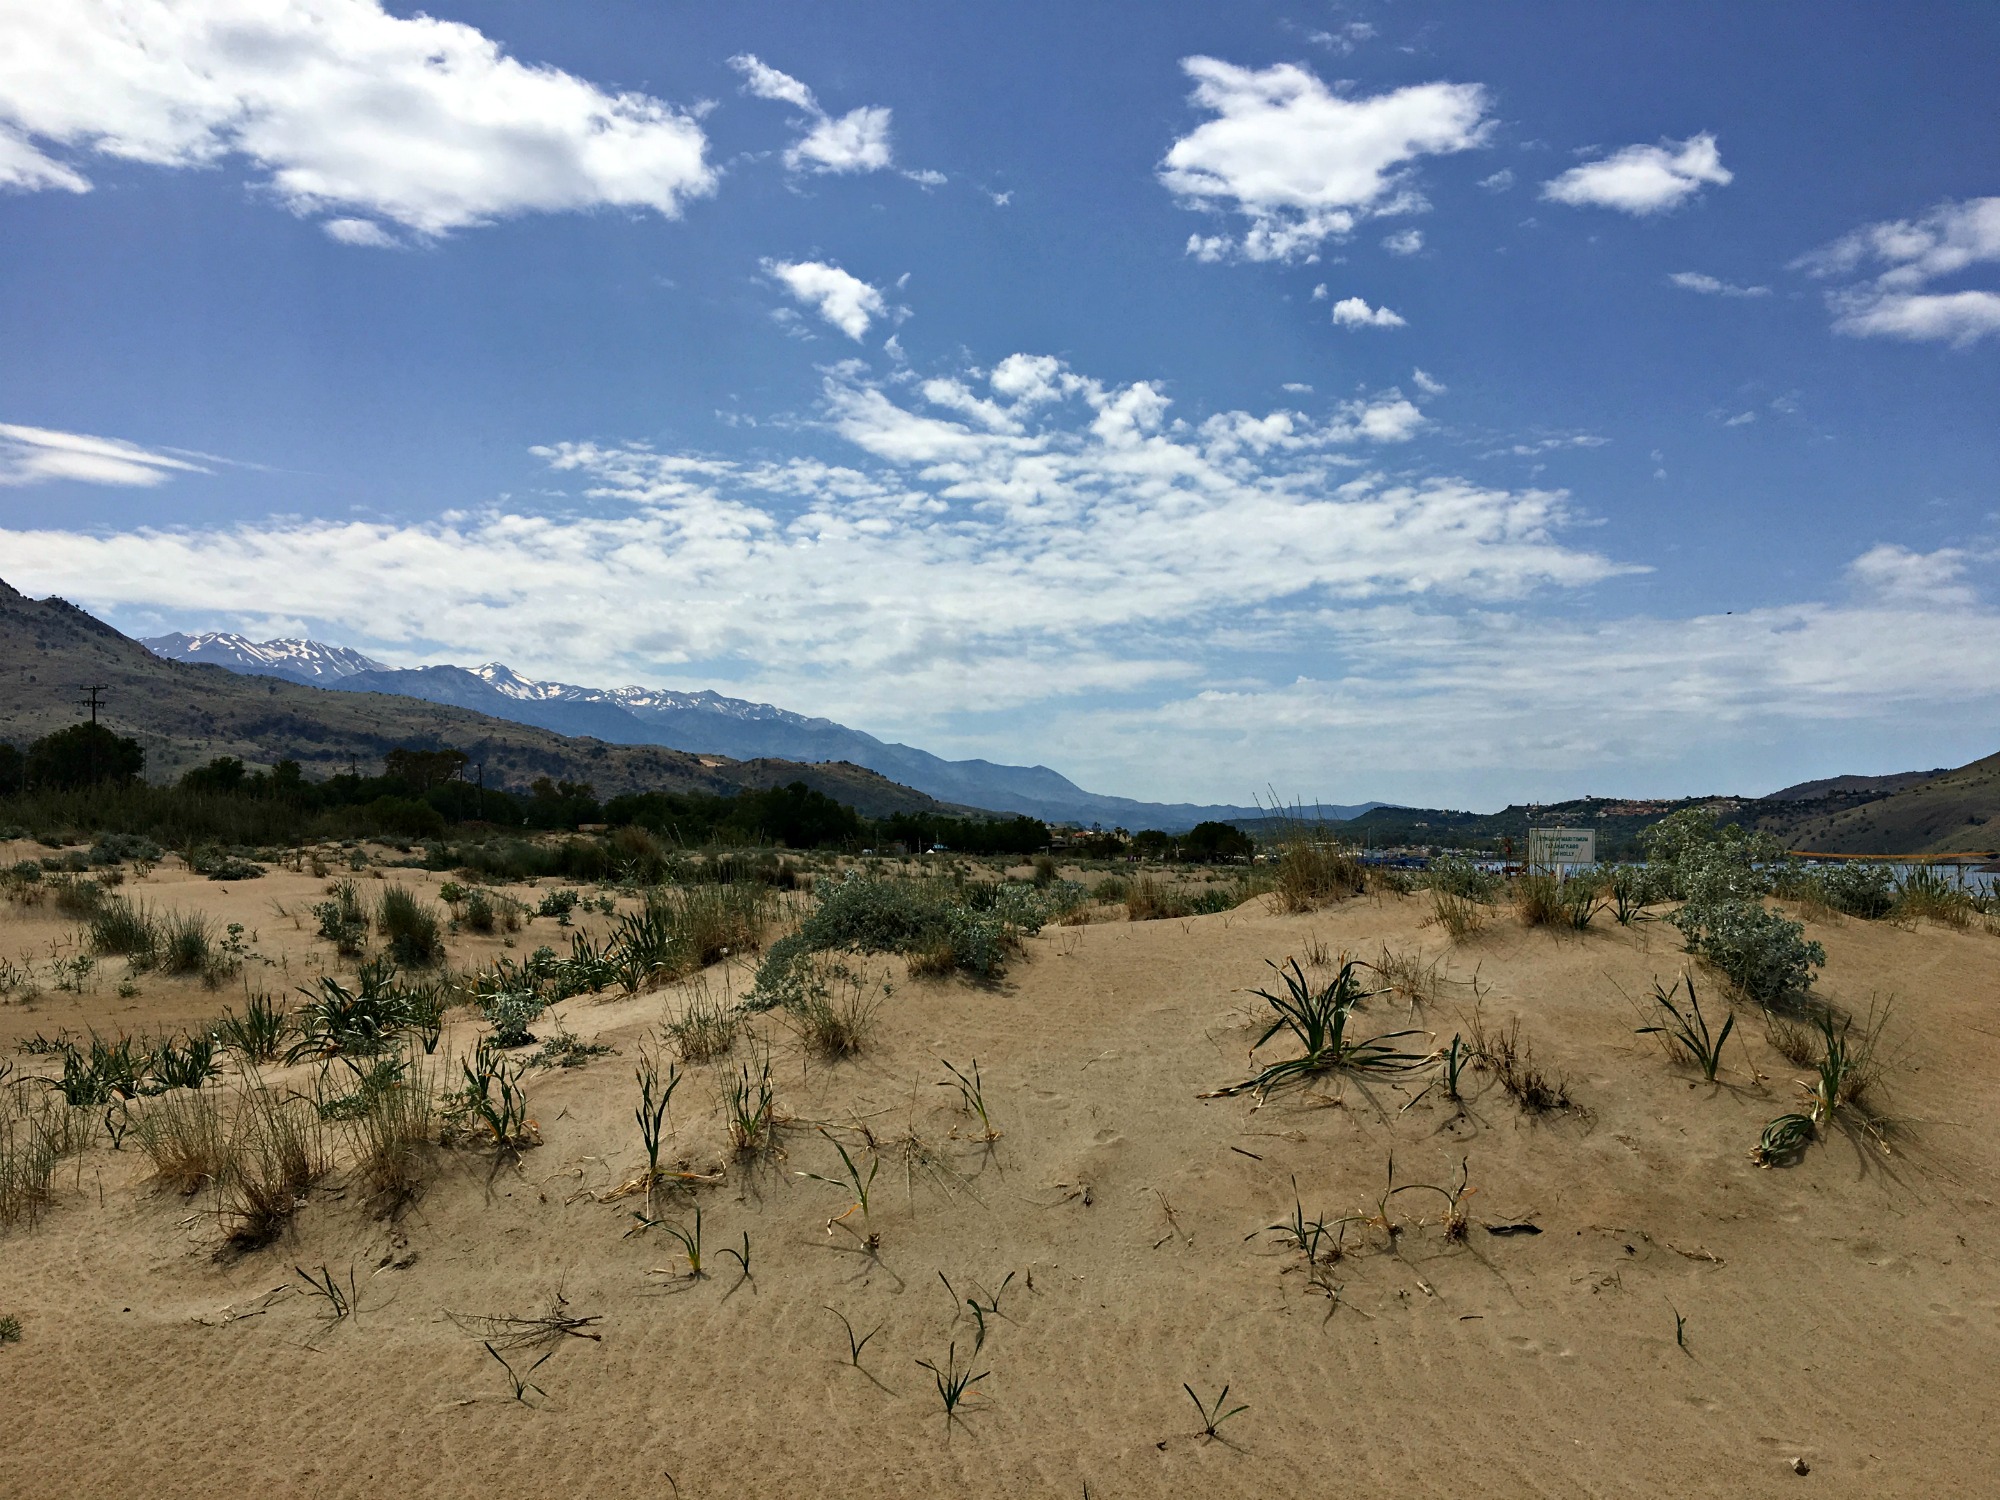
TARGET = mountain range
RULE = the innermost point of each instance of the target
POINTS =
(184, 714)
(702, 723)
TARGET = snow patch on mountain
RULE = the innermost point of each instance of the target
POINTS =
(302, 661)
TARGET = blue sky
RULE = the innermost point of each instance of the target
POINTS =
(1440, 403)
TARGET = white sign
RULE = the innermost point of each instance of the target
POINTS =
(1550, 847)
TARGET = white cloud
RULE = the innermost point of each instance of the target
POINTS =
(1497, 696)
(1741, 419)
(1302, 163)
(361, 232)
(1954, 317)
(1345, 40)
(1297, 388)
(1499, 182)
(35, 455)
(857, 141)
(1953, 237)
(1353, 312)
(1643, 179)
(421, 122)
(1046, 534)
(1426, 384)
(1404, 242)
(1896, 575)
(844, 300)
(22, 166)
(1711, 286)
(1319, 292)
(766, 82)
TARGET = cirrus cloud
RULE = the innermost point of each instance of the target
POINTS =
(36, 455)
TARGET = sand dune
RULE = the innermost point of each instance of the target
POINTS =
(1844, 1313)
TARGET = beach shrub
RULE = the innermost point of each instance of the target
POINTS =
(343, 919)
(510, 1013)
(126, 928)
(1314, 871)
(1765, 955)
(411, 927)
(941, 927)
(1858, 890)
(1926, 894)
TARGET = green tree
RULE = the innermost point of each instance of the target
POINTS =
(83, 755)
(1210, 842)
(224, 774)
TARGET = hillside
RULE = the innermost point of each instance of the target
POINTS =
(184, 715)
(1956, 811)
(1859, 788)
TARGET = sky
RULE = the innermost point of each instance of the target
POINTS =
(1440, 403)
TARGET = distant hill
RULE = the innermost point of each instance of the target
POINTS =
(704, 723)
(1862, 788)
(185, 714)
(1937, 812)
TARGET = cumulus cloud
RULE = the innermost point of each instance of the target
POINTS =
(36, 455)
(1040, 532)
(1354, 312)
(344, 107)
(846, 301)
(1499, 182)
(1404, 242)
(1908, 255)
(857, 141)
(1643, 179)
(1712, 286)
(1898, 575)
(1303, 164)
(1426, 384)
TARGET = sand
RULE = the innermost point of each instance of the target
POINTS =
(1843, 1313)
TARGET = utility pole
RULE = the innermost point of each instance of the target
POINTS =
(93, 699)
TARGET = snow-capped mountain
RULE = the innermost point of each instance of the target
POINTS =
(310, 662)
(639, 700)
(703, 723)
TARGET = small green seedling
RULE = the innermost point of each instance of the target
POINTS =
(972, 1097)
(854, 1345)
(741, 1257)
(1212, 1414)
(522, 1385)
(854, 1182)
(953, 1381)
(690, 1239)
(1680, 1330)
(652, 1111)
